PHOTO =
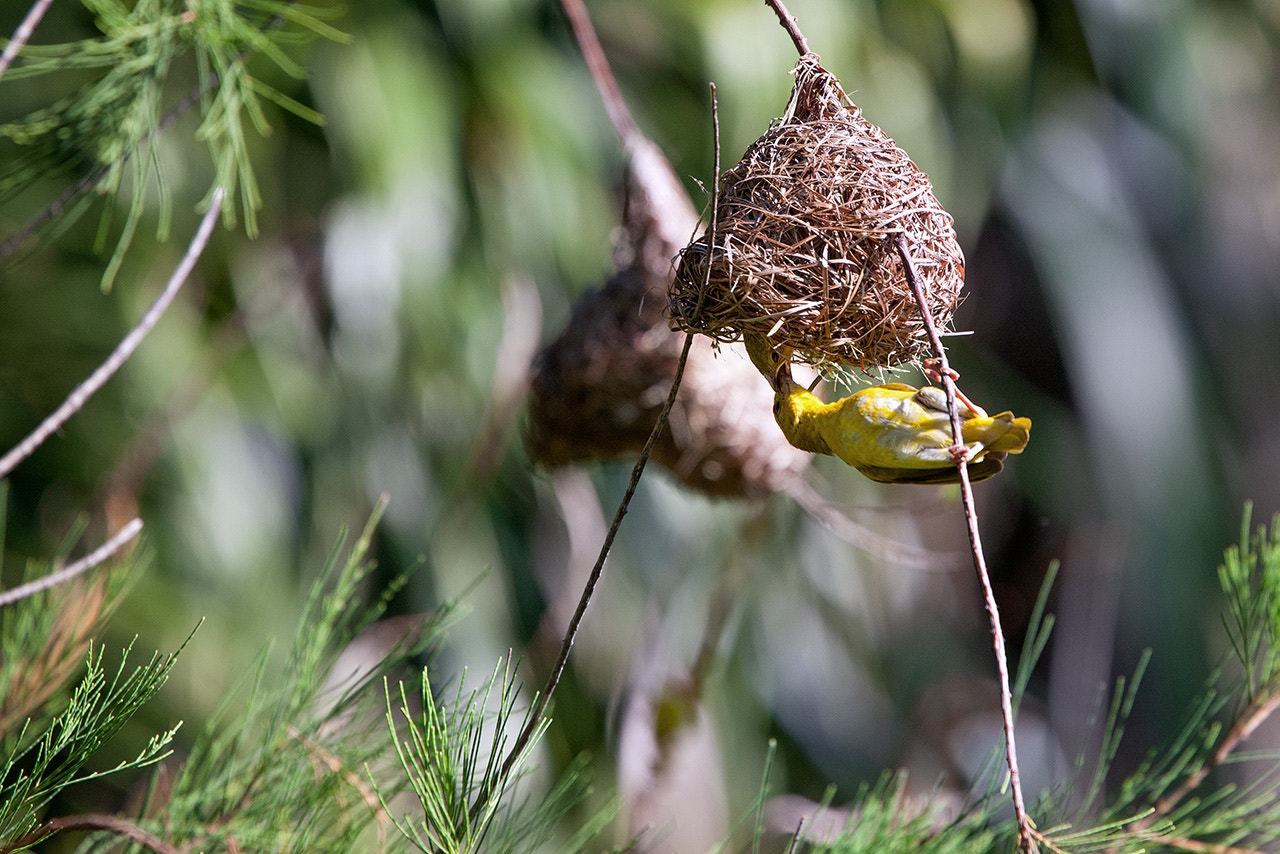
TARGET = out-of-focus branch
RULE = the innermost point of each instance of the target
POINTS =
(91, 821)
(86, 563)
(521, 327)
(601, 73)
(123, 351)
(23, 33)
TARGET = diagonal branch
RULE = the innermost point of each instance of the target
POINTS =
(123, 351)
(790, 24)
(91, 821)
(589, 43)
(86, 563)
(23, 34)
(1026, 833)
(593, 579)
(1258, 710)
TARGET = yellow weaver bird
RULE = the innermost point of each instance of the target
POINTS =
(892, 433)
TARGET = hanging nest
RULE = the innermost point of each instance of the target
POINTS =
(805, 252)
(597, 390)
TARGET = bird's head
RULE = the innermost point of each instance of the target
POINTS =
(773, 363)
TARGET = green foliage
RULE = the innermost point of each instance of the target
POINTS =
(278, 767)
(1171, 797)
(881, 820)
(96, 131)
(98, 709)
(296, 760)
(1250, 576)
(454, 761)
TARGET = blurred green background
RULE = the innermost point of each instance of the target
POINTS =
(1114, 171)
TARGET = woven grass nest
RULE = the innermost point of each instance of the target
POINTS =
(596, 391)
(804, 249)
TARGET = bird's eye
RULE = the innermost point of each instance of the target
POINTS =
(777, 407)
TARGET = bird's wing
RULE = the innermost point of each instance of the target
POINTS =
(932, 397)
(986, 467)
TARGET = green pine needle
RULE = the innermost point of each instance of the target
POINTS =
(102, 126)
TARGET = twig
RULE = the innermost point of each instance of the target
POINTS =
(789, 24)
(1196, 845)
(123, 351)
(86, 563)
(1026, 833)
(91, 821)
(557, 670)
(1253, 715)
(601, 73)
(793, 847)
(23, 33)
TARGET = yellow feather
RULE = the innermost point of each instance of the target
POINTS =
(892, 433)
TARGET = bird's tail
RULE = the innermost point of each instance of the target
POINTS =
(999, 433)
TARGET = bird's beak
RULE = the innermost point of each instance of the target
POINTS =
(782, 380)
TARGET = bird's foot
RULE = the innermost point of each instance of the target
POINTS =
(965, 453)
(932, 369)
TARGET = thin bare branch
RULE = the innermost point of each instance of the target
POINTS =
(614, 104)
(91, 821)
(123, 351)
(597, 571)
(571, 633)
(789, 24)
(1195, 845)
(1249, 720)
(86, 563)
(1026, 832)
(23, 33)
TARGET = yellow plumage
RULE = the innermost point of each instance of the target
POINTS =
(892, 433)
